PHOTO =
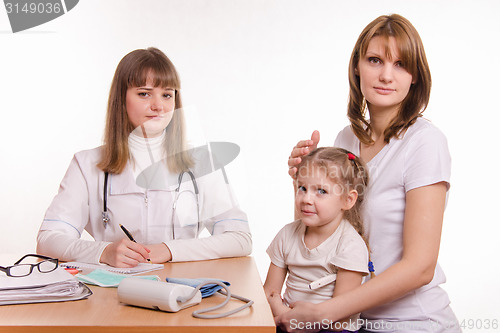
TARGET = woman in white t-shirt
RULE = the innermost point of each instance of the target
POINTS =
(323, 253)
(144, 178)
(409, 165)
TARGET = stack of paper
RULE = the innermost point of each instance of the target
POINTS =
(55, 286)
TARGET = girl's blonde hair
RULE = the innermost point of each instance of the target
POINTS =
(133, 71)
(346, 170)
(411, 51)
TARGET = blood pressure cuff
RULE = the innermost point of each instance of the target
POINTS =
(207, 290)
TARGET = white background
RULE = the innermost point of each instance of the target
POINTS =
(261, 74)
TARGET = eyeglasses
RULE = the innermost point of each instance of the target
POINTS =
(20, 269)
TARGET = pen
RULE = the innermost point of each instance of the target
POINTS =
(129, 235)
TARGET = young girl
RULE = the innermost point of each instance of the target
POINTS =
(409, 166)
(108, 186)
(324, 252)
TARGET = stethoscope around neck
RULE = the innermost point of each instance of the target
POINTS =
(106, 219)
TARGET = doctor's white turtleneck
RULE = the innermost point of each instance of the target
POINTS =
(145, 151)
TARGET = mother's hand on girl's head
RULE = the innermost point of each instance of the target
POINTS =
(302, 148)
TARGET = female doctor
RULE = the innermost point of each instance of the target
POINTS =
(144, 179)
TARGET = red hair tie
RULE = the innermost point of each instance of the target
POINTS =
(351, 156)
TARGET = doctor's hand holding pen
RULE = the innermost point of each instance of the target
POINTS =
(129, 253)
(125, 253)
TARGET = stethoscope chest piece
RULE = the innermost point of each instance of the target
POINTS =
(105, 219)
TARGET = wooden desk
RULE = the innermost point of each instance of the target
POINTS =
(102, 312)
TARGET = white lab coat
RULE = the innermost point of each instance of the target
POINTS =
(146, 213)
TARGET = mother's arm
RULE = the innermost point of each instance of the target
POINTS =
(421, 239)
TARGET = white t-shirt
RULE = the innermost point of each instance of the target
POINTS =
(344, 248)
(419, 158)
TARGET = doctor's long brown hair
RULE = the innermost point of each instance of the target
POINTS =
(133, 71)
